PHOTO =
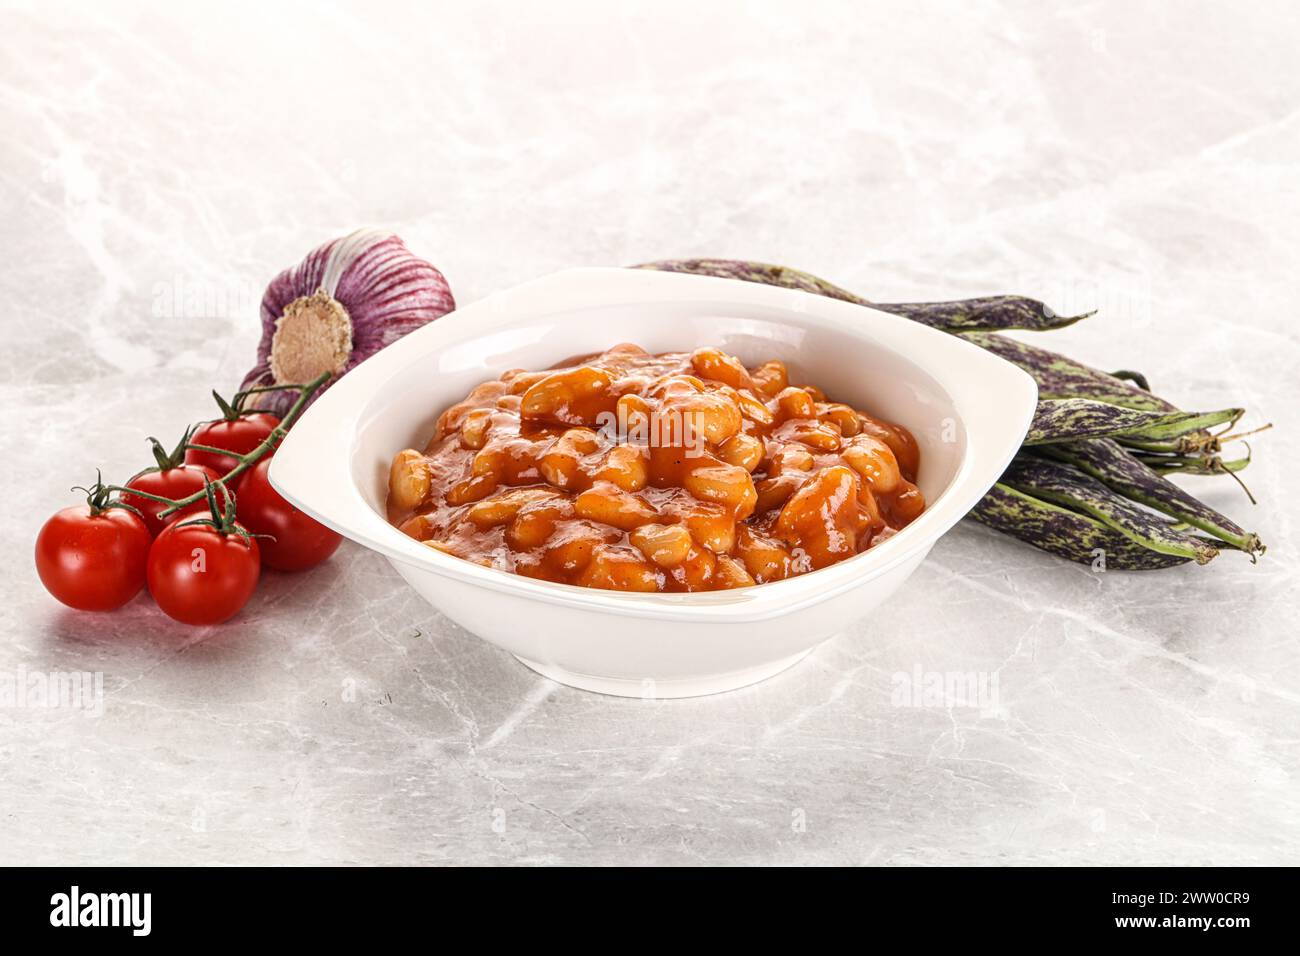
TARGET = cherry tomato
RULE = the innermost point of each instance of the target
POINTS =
(92, 559)
(240, 435)
(298, 542)
(199, 575)
(175, 483)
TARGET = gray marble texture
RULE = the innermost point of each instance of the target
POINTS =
(157, 167)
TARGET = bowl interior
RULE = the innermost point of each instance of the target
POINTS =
(849, 366)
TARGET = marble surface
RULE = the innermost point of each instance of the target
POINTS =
(158, 167)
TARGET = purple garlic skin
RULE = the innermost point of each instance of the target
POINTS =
(343, 303)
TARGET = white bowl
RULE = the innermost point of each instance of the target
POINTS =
(968, 409)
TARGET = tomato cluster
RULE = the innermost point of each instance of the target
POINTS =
(202, 561)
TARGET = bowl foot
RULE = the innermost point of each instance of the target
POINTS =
(650, 689)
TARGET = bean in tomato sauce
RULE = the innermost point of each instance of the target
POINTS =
(638, 472)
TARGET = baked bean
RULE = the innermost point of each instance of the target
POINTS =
(629, 349)
(536, 521)
(900, 442)
(753, 409)
(571, 554)
(606, 503)
(730, 573)
(714, 477)
(559, 468)
(908, 504)
(520, 382)
(744, 451)
(619, 569)
(717, 366)
(408, 480)
(625, 466)
(792, 458)
(770, 378)
(723, 484)
(822, 517)
(773, 492)
(696, 572)
(872, 459)
(474, 428)
(823, 436)
(417, 526)
(795, 403)
(666, 545)
(633, 413)
(710, 415)
(561, 464)
(870, 507)
(486, 392)
(471, 489)
(714, 531)
(449, 421)
(503, 507)
(828, 490)
(765, 559)
(843, 417)
(573, 396)
(584, 441)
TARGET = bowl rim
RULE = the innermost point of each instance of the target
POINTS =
(994, 400)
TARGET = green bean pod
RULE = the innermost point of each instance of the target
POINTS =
(1137, 378)
(1061, 377)
(1071, 419)
(1070, 488)
(959, 315)
(1119, 471)
(1096, 451)
(986, 312)
(1066, 533)
(760, 272)
(1196, 444)
(1190, 465)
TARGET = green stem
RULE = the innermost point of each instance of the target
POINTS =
(246, 460)
(123, 490)
(264, 388)
(249, 459)
(210, 449)
(241, 395)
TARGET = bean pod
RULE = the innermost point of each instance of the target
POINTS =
(1090, 479)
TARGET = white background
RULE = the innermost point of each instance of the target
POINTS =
(1137, 158)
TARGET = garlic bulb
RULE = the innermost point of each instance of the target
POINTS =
(345, 301)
